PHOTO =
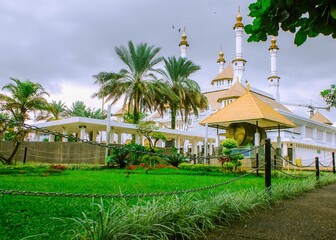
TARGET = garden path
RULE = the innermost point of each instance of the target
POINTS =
(310, 216)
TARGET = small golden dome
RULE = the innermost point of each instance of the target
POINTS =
(273, 44)
(221, 57)
(239, 19)
(184, 40)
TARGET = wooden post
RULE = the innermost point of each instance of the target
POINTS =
(25, 155)
(333, 162)
(317, 168)
(268, 164)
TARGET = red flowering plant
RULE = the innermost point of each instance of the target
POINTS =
(131, 167)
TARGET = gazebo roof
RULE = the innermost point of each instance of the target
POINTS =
(248, 108)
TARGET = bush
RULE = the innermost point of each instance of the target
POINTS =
(175, 159)
(149, 160)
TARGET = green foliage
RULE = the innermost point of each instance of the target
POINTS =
(305, 18)
(329, 95)
(233, 157)
(136, 83)
(200, 167)
(150, 160)
(128, 154)
(175, 159)
(79, 109)
(182, 93)
(143, 217)
(23, 98)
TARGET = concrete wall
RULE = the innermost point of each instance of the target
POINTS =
(56, 152)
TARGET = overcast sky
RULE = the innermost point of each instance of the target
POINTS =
(62, 43)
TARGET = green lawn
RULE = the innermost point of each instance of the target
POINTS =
(23, 216)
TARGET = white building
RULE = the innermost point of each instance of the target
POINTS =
(314, 137)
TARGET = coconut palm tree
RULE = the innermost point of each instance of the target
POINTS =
(23, 98)
(136, 83)
(55, 111)
(187, 91)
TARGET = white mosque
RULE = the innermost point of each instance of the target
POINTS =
(306, 139)
(314, 137)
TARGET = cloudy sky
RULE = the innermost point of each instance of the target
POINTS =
(62, 43)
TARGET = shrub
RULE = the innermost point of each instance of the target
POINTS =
(149, 160)
(175, 159)
(59, 167)
(131, 167)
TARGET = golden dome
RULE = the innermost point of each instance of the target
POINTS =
(184, 40)
(221, 57)
(273, 44)
(239, 19)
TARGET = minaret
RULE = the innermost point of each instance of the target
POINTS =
(221, 61)
(183, 45)
(238, 64)
(273, 80)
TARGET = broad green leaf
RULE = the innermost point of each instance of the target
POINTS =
(333, 11)
(300, 37)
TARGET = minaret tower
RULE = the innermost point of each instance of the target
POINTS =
(183, 45)
(273, 80)
(221, 61)
(239, 62)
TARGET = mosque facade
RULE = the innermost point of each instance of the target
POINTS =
(312, 137)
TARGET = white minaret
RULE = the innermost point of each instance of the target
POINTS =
(183, 45)
(221, 61)
(273, 80)
(238, 64)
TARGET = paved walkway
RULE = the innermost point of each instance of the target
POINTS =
(311, 216)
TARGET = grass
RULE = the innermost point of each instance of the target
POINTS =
(23, 216)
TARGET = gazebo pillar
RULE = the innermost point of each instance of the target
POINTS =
(206, 142)
(210, 147)
(278, 147)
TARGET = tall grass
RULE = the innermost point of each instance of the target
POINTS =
(184, 217)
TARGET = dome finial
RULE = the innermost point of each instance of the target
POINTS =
(221, 56)
(184, 39)
(239, 19)
(273, 44)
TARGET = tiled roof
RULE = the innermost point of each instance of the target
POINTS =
(248, 108)
(320, 118)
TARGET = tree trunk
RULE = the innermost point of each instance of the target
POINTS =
(9, 160)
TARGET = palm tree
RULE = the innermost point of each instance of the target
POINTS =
(24, 97)
(79, 109)
(55, 111)
(136, 83)
(187, 91)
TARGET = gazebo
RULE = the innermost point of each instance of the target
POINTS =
(249, 109)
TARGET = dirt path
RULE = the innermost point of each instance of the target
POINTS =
(311, 216)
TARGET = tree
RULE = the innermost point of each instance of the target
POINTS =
(232, 157)
(307, 18)
(136, 83)
(329, 95)
(79, 109)
(23, 98)
(147, 129)
(186, 92)
(55, 111)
